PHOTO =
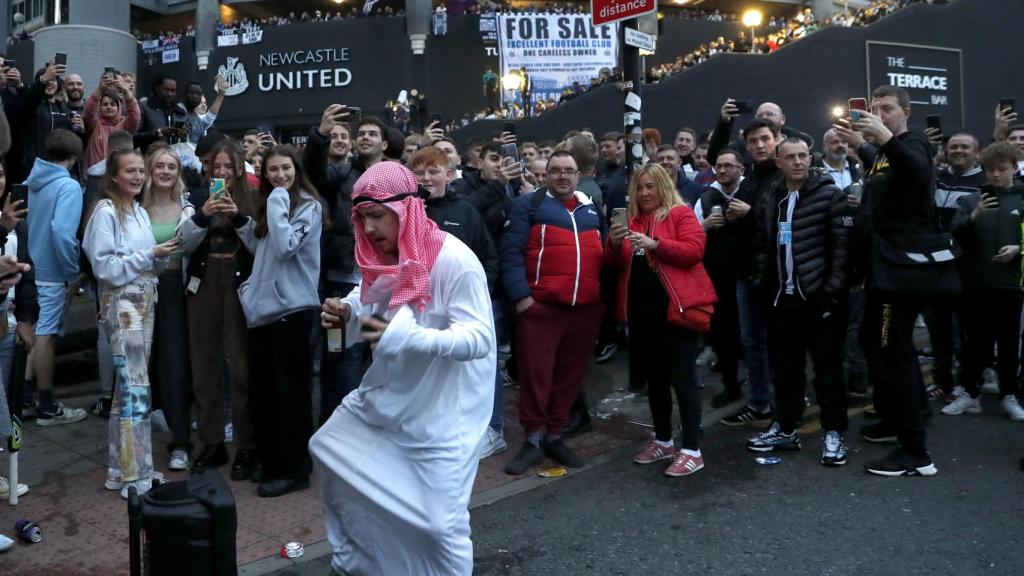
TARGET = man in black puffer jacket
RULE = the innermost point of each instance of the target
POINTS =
(800, 245)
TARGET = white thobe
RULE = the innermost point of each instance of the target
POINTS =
(399, 456)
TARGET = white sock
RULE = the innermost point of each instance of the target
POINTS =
(694, 453)
(664, 443)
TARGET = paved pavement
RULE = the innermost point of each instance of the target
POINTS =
(612, 517)
(794, 518)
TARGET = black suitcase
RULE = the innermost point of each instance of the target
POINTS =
(184, 528)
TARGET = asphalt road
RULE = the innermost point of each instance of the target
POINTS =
(737, 517)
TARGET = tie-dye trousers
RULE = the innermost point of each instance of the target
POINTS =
(128, 314)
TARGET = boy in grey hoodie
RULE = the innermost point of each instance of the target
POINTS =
(56, 209)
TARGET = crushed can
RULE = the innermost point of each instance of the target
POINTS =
(292, 550)
(28, 531)
(767, 460)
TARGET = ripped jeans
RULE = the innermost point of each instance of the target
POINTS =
(128, 313)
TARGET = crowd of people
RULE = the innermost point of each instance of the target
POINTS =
(779, 32)
(348, 12)
(419, 277)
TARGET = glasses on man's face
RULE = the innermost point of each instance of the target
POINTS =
(727, 166)
(560, 173)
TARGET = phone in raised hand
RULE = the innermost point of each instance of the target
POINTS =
(218, 188)
(619, 217)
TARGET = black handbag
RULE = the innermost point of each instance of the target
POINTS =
(921, 264)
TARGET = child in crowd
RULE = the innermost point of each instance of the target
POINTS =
(989, 230)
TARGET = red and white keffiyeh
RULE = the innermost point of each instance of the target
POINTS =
(419, 238)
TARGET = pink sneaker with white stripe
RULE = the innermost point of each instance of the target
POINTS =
(684, 465)
(655, 452)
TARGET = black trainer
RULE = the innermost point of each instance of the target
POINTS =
(528, 456)
(245, 464)
(902, 463)
(212, 456)
(558, 451)
(879, 433)
(748, 416)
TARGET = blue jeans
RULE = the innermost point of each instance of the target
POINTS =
(340, 373)
(855, 362)
(497, 411)
(754, 334)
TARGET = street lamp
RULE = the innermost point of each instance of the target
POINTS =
(512, 82)
(752, 19)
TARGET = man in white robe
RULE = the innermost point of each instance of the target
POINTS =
(399, 456)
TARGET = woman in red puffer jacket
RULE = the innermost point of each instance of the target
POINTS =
(666, 298)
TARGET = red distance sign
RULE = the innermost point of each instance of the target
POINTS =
(608, 11)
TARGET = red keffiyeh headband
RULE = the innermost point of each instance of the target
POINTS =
(419, 239)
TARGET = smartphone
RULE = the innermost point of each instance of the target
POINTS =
(218, 188)
(60, 59)
(511, 151)
(510, 127)
(435, 118)
(109, 71)
(20, 192)
(934, 121)
(1008, 103)
(743, 107)
(857, 105)
(8, 63)
(619, 216)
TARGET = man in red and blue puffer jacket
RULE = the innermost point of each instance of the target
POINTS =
(551, 255)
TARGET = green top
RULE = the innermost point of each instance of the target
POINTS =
(164, 231)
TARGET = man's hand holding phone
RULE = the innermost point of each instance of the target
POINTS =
(729, 110)
(333, 115)
(433, 132)
(12, 212)
(872, 128)
(988, 203)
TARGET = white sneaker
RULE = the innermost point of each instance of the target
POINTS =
(179, 460)
(990, 382)
(1013, 409)
(142, 486)
(114, 480)
(5, 543)
(61, 415)
(5, 486)
(159, 421)
(963, 403)
(494, 443)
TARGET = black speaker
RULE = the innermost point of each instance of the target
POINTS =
(184, 527)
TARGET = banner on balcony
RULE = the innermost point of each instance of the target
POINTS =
(557, 51)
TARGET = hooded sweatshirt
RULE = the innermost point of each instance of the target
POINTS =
(286, 269)
(100, 128)
(120, 249)
(55, 199)
(981, 239)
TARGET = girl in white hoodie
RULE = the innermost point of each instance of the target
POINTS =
(126, 262)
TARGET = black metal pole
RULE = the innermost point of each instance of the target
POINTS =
(632, 130)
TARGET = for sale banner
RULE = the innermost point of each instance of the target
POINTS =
(556, 50)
